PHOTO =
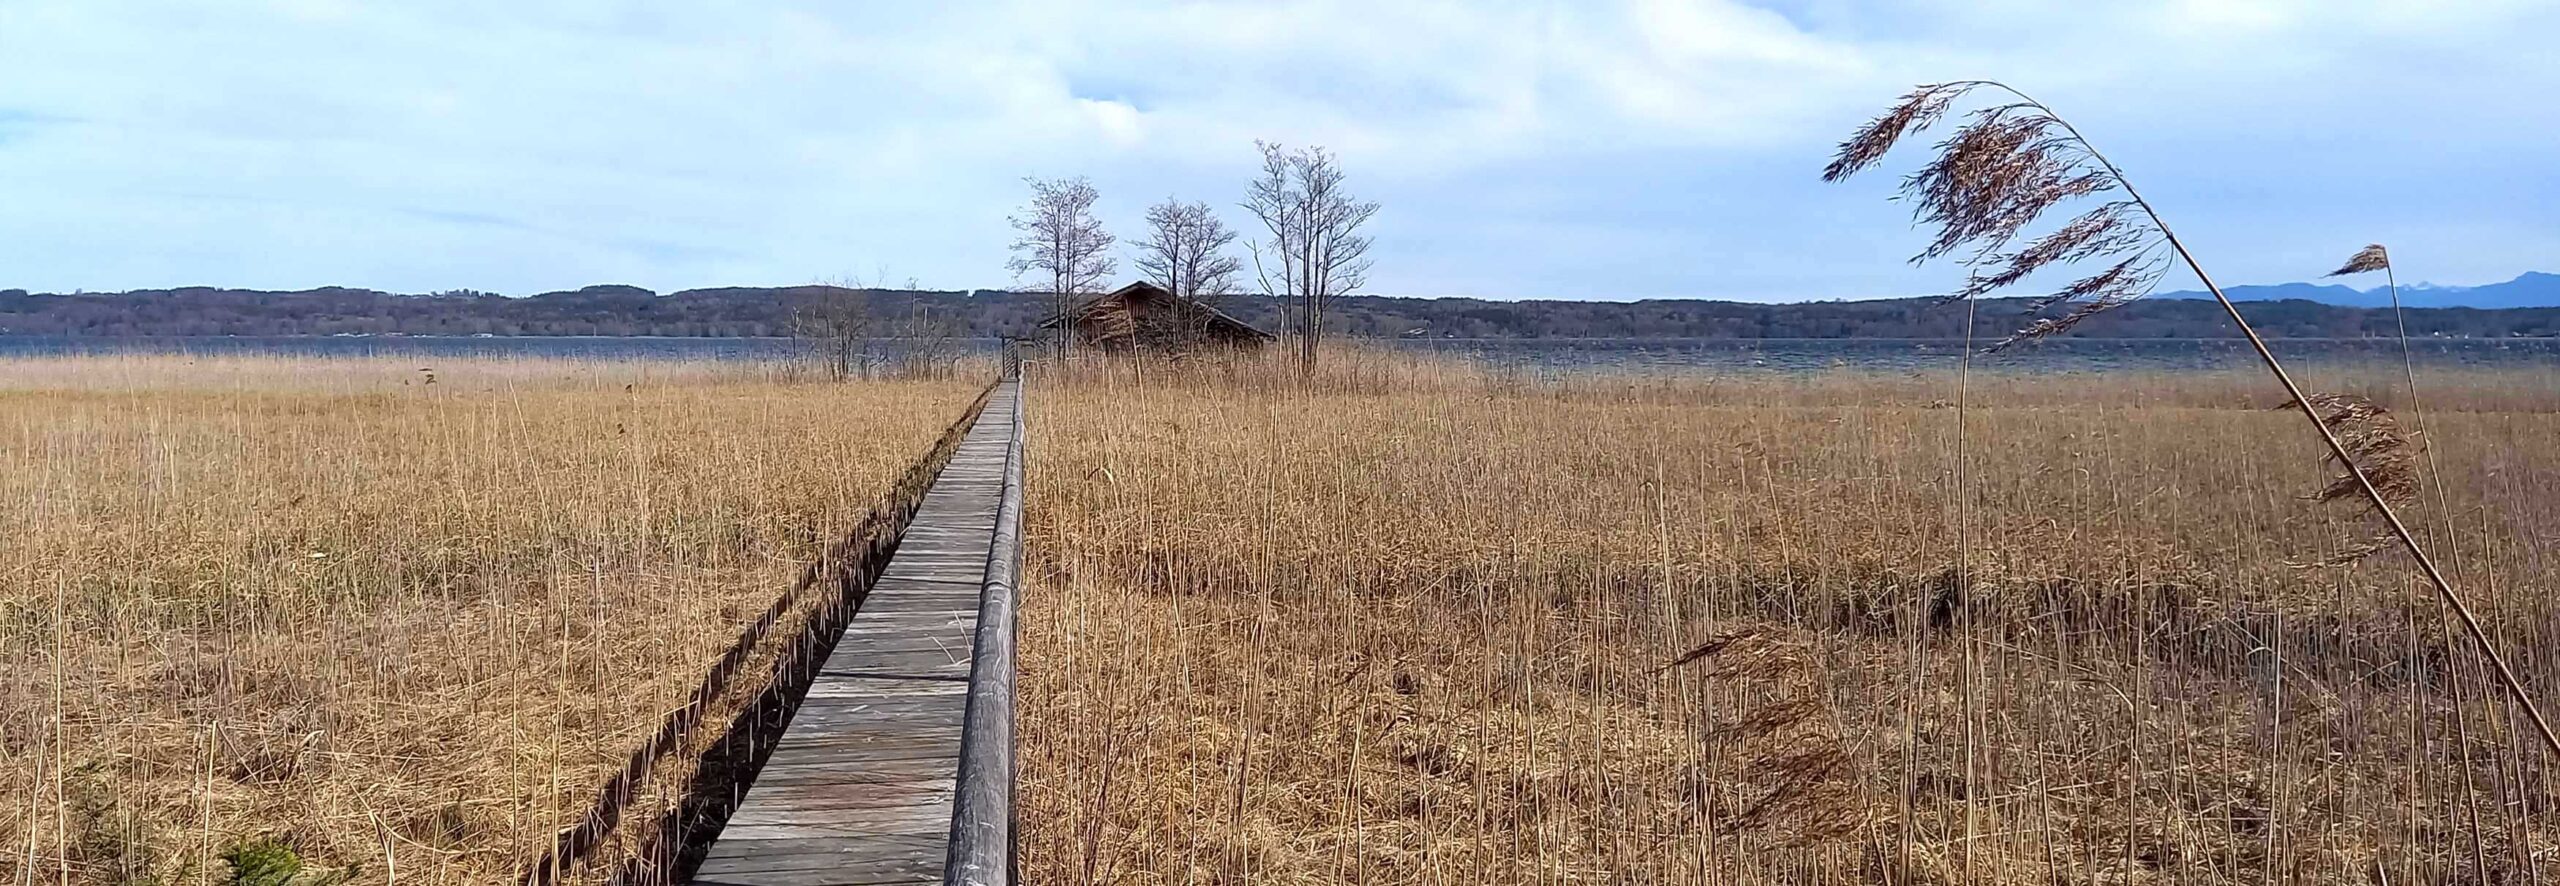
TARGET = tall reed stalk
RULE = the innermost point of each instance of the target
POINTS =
(2010, 163)
(2376, 257)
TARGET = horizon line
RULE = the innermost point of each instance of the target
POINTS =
(2422, 286)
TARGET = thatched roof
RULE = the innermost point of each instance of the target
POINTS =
(1219, 322)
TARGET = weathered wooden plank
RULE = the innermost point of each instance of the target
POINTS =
(888, 722)
(834, 848)
(863, 813)
(933, 602)
(944, 567)
(839, 734)
(834, 800)
(921, 581)
(915, 624)
(880, 621)
(879, 722)
(875, 767)
(895, 711)
(903, 744)
(886, 811)
(890, 765)
(965, 620)
(914, 630)
(900, 857)
(917, 638)
(932, 651)
(929, 625)
(919, 818)
(868, 877)
(925, 660)
(914, 638)
(816, 878)
(794, 795)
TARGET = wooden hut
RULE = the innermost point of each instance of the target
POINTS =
(1144, 316)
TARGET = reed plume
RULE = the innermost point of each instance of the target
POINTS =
(2395, 471)
(2384, 452)
(2003, 169)
(2010, 163)
(2371, 258)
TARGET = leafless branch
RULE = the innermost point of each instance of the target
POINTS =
(1186, 251)
(1061, 237)
(1315, 250)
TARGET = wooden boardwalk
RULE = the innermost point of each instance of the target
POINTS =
(860, 788)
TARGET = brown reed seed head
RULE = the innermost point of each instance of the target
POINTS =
(2378, 446)
(2371, 258)
(1995, 177)
(1918, 110)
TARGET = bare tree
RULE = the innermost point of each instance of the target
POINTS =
(926, 340)
(1315, 251)
(1185, 250)
(835, 322)
(1060, 236)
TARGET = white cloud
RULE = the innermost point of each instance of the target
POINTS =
(1119, 124)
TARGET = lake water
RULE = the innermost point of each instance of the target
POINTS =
(1648, 355)
(2061, 354)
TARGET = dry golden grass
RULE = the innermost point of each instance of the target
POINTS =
(405, 628)
(1423, 624)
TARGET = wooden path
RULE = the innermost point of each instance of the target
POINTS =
(861, 787)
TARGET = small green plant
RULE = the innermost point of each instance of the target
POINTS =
(267, 861)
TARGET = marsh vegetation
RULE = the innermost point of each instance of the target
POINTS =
(1408, 620)
(386, 620)
(1415, 622)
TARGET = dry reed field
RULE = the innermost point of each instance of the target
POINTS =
(1417, 623)
(398, 618)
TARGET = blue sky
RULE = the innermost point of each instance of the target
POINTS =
(1656, 148)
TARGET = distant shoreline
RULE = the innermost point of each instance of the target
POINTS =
(1593, 354)
(758, 313)
(1366, 339)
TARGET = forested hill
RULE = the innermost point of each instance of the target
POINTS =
(625, 310)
